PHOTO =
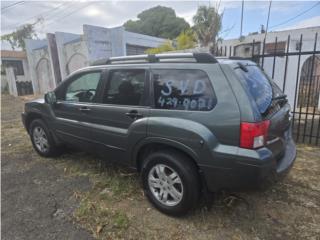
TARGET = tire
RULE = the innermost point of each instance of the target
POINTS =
(39, 129)
(162, 190)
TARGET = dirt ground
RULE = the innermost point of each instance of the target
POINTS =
(77, 197)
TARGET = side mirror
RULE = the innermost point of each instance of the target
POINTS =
(50, 98)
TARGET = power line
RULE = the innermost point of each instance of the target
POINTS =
(60, 13)
(12, 5)
(300, 14)
(228, 30)
(71, 13)
(37, 16)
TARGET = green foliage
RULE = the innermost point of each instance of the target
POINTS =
(165, 47)
(16, 38)
(186, 40)
(207, 25)
(159, 22)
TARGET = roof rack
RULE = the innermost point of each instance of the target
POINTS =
(238, 58)
(155, 58)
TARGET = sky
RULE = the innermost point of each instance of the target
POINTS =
(69, 16)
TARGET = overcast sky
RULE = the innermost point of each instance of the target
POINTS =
(69, 16)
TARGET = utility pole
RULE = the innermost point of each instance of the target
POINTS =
(241, 19)
(268, 19)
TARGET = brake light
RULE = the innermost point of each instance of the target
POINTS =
(253, 135)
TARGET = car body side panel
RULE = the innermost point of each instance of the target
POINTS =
(204, 135)
(224, 119)
(43, 109)
(113, 143)
(211, 138)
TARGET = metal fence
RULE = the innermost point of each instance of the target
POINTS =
(24, 88)
(296, 69)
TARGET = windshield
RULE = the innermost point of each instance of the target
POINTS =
(258, 85)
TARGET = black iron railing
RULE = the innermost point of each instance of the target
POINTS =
(304, 87)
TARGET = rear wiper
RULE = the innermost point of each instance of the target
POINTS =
(242, 67)
(283, 96)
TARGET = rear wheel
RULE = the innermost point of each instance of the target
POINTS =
(171, 182)
(42, 140)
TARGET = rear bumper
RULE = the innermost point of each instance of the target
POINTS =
(247, 170)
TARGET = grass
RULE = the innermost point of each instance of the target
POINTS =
(115, 208)
(98, 210)
(100, 218)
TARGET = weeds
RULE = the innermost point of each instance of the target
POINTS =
(114, 208)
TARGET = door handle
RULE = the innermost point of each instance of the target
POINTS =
(134, 114)
(84, 109)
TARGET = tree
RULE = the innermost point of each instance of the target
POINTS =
(186, 40)
(16, 38)
(159, 22)
(165, 47)
(207, 25)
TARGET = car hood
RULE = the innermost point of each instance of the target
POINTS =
(38, 100)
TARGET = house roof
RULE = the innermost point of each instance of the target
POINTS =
(13, 54)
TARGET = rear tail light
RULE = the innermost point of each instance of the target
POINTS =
(253, 135)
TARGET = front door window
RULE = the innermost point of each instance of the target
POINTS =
(83, 88)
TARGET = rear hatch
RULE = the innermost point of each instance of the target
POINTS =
(270, 102)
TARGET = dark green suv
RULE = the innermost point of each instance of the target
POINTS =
(187, 122)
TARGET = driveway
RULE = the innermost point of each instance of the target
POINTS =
(37, 199)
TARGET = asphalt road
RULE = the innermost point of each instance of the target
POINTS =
(37, 198)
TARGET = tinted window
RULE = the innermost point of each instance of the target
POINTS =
(183, 90)
(125, 87)
(258, 85)
(83, 88)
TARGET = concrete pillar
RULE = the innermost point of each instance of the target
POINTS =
(53, 53)
(98, 41)
(61, 39)
(31, 46)
(319, 103)
(11, 81)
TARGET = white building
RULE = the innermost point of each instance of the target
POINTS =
(15, 73)
(252, 45)
(55, 57)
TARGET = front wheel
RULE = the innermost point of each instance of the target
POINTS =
(171, 182)
(42, 140)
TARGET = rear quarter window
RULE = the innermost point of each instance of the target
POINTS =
(258, 86)
(183, 89)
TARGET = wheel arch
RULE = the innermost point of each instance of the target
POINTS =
(30, 117)
(156, 144)
(36, 115)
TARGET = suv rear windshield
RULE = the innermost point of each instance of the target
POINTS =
(258, 85)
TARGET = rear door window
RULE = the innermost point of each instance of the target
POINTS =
(126, 87)
(258, 85)
(182, 89)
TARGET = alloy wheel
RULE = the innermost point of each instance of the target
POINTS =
(40, 139)
(165, 185)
